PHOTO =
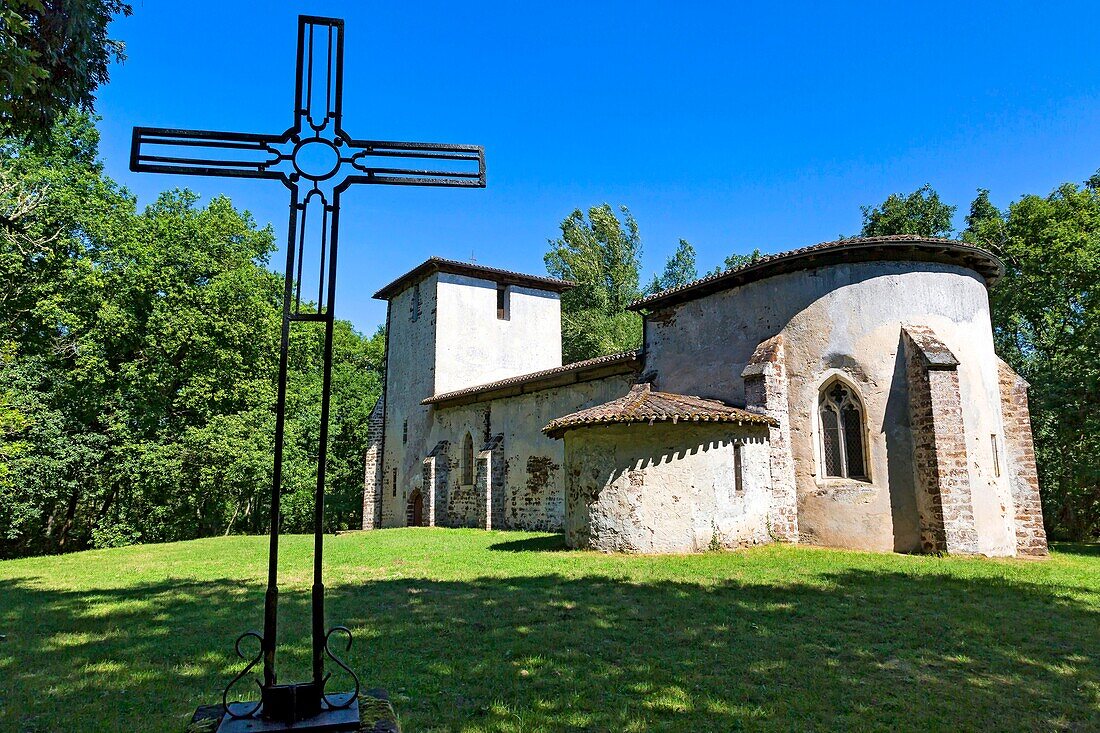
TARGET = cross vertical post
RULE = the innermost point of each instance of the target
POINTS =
(316, 160)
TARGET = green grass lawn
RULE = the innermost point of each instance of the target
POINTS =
(504, 631)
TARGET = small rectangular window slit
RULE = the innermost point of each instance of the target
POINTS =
(503, 303)
(415, 307)
(996, 456)
(738, 483)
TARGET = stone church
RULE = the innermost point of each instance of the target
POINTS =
(845, 394)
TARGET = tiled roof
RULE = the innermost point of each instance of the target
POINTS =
(642, 405)
(856, 249)
(628, 360)
(504, 277)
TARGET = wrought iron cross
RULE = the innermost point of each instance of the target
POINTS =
(317, 161)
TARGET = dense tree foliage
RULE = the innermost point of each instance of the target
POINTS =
(138, 352)
(1046, 314)
(921, 212)
(54, 54)
(679, 270)
(1046, 324)
(601, 253)
(737, 260)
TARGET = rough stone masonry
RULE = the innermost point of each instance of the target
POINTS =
(845, 394)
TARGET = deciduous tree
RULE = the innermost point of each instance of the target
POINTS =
(679, 269)
(920, 212)
(601, 254)
(139, 353)
(1046, 317)
(737, 260)
(54, 54)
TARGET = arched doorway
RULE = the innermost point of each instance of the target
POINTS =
(415, 514)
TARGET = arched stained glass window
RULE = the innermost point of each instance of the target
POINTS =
(840, 415)
(468, 460)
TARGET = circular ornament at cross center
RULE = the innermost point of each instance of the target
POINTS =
(316, 159)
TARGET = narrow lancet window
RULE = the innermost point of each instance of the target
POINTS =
(468, 460)
(840, 415)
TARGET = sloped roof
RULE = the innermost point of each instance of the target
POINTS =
(642, 405)
(898, 247)
(578, 371)
(933, 351)
(504, 277)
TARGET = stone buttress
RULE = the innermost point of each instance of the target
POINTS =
(766, 393)
(1031, 538)
(939, 444)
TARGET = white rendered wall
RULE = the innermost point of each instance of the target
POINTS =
(847, 319)
(410, 378)
(665, 487)
(457, 341)
(475, 347)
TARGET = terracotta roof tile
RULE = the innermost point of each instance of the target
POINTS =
(630, 359)
(643, 405)
(470, 269)
(855, 249)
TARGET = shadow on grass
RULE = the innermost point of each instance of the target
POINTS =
(551, 543)
(1087, 549)
(864, 650)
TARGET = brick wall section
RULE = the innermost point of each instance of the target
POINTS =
(534, 504)
(372, 468)
(1031, 537)
(498, 500)
(436, 470)
(480, 504)
(939, 444)
(462, 504)
(483, 482)
(489, 484)
(428, 482)
(766, 392)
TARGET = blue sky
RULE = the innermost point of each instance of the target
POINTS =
(731, 125)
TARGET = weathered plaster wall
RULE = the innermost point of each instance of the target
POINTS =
(445, 335)
(410, 378)
(847, 319)
(528, 484)
(766, 392)
(475, 347)
(666, 487)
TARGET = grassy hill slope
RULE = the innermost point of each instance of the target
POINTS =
(495, 631)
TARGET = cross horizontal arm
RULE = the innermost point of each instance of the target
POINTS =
(205, 153)
(421, 164)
